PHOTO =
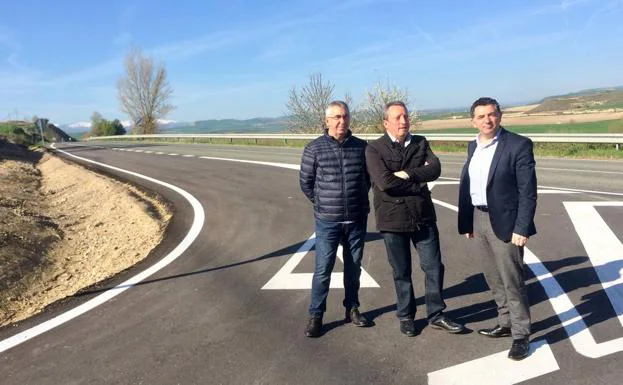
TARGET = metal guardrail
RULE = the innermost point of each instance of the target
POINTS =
(537, 138)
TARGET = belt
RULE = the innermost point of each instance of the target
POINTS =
(483, 208)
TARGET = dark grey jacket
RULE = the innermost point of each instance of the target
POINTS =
(334, 178)
(402, 205)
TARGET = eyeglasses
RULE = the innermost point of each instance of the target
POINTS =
(338, 117)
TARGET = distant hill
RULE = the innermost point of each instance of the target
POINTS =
(593, 99)
(219, 126)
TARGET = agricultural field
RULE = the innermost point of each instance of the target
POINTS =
(529, 119)
(595, 127)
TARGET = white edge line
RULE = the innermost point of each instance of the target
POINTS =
(583, 191)
(193, 232)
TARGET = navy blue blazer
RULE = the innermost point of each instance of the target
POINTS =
(511, 188)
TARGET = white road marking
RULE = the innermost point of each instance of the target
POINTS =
(286, 280)
(603, 247)
(582, 191)
(558, 169)
(148, 152)
(497, 369)
(579, 334)
(173, 154)
(579, 170)
(533, 366)
(274, 164)
(188, 156)
(160, 153)
(193, 232)
(540, 191)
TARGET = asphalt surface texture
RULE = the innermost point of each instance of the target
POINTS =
(208, 316)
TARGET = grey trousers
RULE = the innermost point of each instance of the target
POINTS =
(503, 267)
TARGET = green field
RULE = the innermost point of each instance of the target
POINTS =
(443, 115)
(602, 127)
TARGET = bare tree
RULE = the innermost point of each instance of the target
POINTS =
(370, 115)
(144, 92)
(306, 108)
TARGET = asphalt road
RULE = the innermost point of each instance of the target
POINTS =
(232, 307)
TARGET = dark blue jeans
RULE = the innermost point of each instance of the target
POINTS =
(329, 235)
(426, 242)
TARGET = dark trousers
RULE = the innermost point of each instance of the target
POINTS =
(503, 267)
(329, 235)
(426, 242)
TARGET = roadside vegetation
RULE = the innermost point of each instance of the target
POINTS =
(103, 127)
(20, 132)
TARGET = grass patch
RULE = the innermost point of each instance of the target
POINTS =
(22, 133)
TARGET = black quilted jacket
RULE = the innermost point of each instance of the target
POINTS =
(334, 178)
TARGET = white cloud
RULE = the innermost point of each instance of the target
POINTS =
(80, 125)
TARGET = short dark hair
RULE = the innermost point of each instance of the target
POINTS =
(337, 103)
(484, 101)
(392, 104)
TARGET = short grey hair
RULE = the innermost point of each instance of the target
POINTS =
(392, 104)
(336, 103)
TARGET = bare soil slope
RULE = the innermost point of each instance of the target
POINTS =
(57, 238)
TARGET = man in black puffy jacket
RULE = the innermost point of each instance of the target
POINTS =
(400, 164)
(334, 178)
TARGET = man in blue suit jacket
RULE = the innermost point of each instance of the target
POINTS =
(497, 203)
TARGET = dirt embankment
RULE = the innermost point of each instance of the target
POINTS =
(63, 228)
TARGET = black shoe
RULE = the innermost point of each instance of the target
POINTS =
(314, 327)
(444, 323)
(407, 327)
(520, 349)
(496, 332)
(356, 318)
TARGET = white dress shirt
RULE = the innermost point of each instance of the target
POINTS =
(479, 169)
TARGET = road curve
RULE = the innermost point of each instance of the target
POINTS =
(205, 318)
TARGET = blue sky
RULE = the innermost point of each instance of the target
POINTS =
(238, 59)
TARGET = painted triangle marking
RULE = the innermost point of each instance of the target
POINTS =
(285, 279)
